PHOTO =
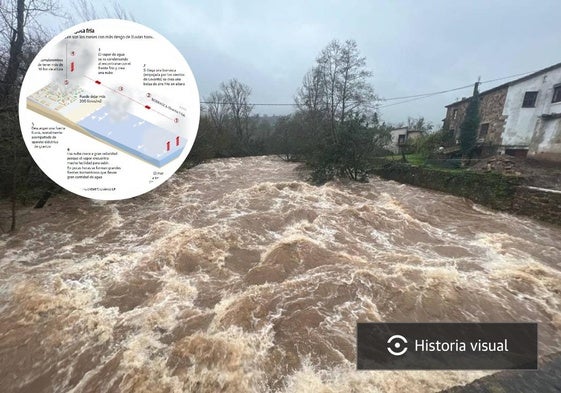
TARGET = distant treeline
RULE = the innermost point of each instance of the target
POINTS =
(335, 128)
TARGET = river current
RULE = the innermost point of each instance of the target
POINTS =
(238, 276)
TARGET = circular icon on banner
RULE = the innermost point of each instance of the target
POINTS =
(397, 345)
(109, 109)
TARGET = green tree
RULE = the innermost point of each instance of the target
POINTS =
(334, 101)
(358, 145)
(470, 124)
(413, 142)
(429, 143)
(204, 147)
(288, 137)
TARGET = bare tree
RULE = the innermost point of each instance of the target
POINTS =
(21, 36)
(236, 95)
(337, 85)
(217, 109)
(310, 96)
(13, 28)
(337, 100)
(20, 31)
(419, 124)
(355, 94)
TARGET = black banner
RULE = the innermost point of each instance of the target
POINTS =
(447, 346)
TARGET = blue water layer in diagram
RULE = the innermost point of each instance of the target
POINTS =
(134, 135)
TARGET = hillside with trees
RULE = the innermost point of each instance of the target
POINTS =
(335, 129)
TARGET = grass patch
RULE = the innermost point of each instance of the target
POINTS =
(420, 160)
(414, 159)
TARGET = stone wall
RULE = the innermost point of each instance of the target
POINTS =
(492, 112)
(499, 192)
(537, 203)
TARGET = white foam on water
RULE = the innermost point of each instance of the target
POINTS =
(345, 378)
(243, 257)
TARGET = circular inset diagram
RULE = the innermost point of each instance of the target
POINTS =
(109, 109)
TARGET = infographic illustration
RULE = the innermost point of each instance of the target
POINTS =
(109, 109)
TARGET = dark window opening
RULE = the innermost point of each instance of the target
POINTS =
(522, 153)
(452, 132)
(401, 139)
(530, 99)
(556, 94)
(483, 130)
(455, 114)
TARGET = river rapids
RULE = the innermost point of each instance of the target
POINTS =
(238, 276)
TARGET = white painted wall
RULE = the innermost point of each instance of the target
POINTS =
(547, 143)
(521, 122)
(395, 137)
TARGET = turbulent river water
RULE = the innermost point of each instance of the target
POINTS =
(237, 276)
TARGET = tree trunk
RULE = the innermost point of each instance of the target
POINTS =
(6, 95)
(16, 46)
(13, 224)
(14, 190)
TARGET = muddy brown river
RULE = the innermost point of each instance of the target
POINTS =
(237, 276)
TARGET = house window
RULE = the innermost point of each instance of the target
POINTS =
(556, 94)
(483, 130)
(454, 114)
(530, 99)
(452, 132)
(401, 139)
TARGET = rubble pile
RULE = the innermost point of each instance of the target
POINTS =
(534, 173)
(503, 164)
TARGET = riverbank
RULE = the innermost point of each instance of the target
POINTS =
(546, 379)
(508, 193)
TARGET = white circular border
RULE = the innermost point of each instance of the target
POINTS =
(136, 174)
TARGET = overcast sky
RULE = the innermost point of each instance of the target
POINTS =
(411, 46)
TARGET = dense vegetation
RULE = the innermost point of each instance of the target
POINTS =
(470, 125)
(335, 129)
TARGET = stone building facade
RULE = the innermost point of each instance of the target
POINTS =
(521, 118)
(490, 113)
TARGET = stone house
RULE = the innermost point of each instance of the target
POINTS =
(400, 137)
(520, 118)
